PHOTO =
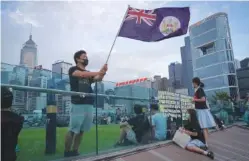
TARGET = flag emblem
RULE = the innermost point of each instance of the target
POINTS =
(141, 16)
(169, 24)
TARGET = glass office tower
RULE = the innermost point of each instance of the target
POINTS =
(212, 54)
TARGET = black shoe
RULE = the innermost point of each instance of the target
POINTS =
(210, 155)
(67, 153)
(75, 153)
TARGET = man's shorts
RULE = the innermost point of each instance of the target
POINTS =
(81, 118)
(131, 136)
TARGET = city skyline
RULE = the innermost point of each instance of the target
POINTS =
(134, 61)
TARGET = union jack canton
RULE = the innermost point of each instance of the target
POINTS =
(146, 16)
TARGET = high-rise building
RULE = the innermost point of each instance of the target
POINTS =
(244, 63)
(60, 69)
(63, 102)
(156, 82)
(160, 84)
(37, 77)
(212, 54)
(110, 100)
(36, 100)
(175, 75)
(41, 72)
(132, 91)
(187, 66)
(164, 84)
(243, 78)
(29, 53)
(18, 77)
(6, 72)
(237, 64)
(100, 90)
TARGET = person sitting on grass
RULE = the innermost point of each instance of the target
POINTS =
(158, 122)
(135, 128)
(11, 125)
(193, 129)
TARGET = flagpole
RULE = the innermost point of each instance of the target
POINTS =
(117, 34)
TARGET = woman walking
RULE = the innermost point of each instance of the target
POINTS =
(205, 118)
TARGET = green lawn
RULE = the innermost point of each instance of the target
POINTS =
(32, 142)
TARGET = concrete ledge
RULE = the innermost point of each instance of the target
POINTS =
(242, 126)
(127, 152)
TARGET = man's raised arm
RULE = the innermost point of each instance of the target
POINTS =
(101, 75)
(85, 74)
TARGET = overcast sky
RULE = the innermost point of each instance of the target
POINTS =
(62, 28)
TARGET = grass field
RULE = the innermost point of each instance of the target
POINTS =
(32, 142)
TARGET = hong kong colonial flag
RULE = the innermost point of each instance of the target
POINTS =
(155, 25)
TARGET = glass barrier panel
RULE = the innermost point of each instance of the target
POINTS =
(46, 125)
(112, 104)
(32, 138)
(230, 112)
(118, 110)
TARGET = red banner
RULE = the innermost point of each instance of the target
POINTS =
(130, 82)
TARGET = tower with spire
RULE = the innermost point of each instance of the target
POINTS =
(29, 52)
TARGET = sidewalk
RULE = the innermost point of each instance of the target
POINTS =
(229, 145)
(232, 144)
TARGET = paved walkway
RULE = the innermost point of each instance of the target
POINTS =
(231, 144)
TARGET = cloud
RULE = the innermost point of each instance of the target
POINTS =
(62, 28)
(202, 10)
(70, 26)
(23, 19)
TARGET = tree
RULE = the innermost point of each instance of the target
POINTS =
(222, 96)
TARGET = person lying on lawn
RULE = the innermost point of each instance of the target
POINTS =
(135, 129)
(193, 129)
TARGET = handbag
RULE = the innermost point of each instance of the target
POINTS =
(181, 139)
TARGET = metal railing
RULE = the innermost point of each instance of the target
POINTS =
(68, 93)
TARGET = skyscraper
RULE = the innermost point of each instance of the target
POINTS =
(18, 77)
(132, 91)
(164, 83)
(244, 63)
(175, 75)
(160, 83)
(156, 83)
(237, 63)
(187, 66)
(100, 90)
(36, 100)
(29, 53)
(243, 78)
(60, 69)
(212, 54)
